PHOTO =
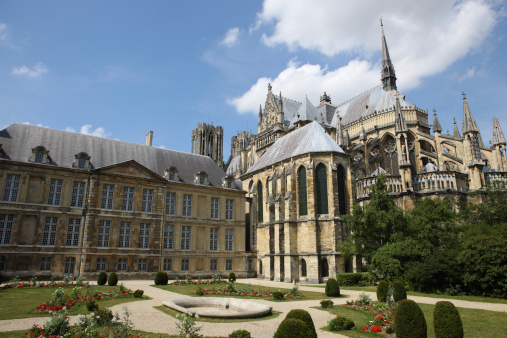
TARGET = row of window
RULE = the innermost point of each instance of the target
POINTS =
(78, 192)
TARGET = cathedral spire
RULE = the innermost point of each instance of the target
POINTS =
(498, 138)
(456, 130)
(469, 124)
(437, 128)
(388, 74)
(400, 124)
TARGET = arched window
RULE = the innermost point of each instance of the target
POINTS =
(260, 205)
(303, 268)
(321, 189)
(342, 205)
(303, 205)
(325, 268)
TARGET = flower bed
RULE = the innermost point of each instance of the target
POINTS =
(43, 285)
(383, 315)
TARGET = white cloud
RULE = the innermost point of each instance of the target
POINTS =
(162, 146)
(468, 75)
(231, 37)
(424, 38)
(3, 31)
(296, 81)
(37, 71)
(87, 130)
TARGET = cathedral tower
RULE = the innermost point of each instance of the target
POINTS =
(208, 140)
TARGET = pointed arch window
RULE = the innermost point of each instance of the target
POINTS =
(321, 189)
(303, 268)
(303, 203)
(340, 172)
(260, 204)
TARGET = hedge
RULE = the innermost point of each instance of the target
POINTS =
(446, 321)
(356, 279)
(409, 320)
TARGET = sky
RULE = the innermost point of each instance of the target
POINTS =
(119, 69)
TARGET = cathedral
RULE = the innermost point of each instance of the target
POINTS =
(77, 205)
(307, 165)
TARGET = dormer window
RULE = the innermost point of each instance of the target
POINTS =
(228, 182)
(171, 174)
(39, 155)
(201, 178)
(81, 161)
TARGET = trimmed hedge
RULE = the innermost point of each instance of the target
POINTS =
(356, 279)
(332, 288)
(292, 328)
(382, 290)
(340, 323)
(446, 321)
(409, 320)
(240, 334)
(232, 277)
(161, 278)
(112, 280)
(306, 318)
(102, 278)
(399, 291)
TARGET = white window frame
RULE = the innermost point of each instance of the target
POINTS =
(11, 188)
(147, 204)
(104, 234)
(187, 205)
(45, 263)
(101, 264)
(142, 264)
(122, 264)
(168, 237)
(73, 232)
(170, 203)
(213, 265)
(215, 207)
(185, 264)
(127, 203)
(186, 233)
(124, 238)
(229, 239)
(144, 235)
(228, 264)
(168, 264)
(49, 231)
(107, 196)
(78, 192)
(6, 222)
(213, 239)
(229, 209)
(55, 191)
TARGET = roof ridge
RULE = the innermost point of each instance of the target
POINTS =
(355, 97)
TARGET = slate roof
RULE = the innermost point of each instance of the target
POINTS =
(18, 140)
(367, 103)
(311, 138)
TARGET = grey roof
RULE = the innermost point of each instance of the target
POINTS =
(233, 167)
(18, 140)
(311, 138)
(367, 103)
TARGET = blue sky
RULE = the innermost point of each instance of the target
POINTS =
(119, 69)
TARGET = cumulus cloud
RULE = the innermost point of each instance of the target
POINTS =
(297, 80)
(87, 129)
(231, 37)
(468, 75)
(424, 38)
(3, 31)
(36, 71)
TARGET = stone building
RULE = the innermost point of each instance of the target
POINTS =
(208, 140)
(377, 132)
(76, 205)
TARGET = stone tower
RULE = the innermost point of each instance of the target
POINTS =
(208, 140)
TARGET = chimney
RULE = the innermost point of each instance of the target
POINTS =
(149, 138)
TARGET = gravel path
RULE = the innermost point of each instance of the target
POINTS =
(145, 317)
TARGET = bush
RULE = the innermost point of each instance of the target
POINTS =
(332, 288)
(278, 295)
(446, 321)
(232, 277)
(382, 290)
(240, 334)
(92, 306)
(292, 328)
(409, 320)
(138, 293)
(161, 278)
(340, 323)
(112, 280)
(399, 292)
(103, 317)
(306, 318)
(326, 303)
(356, 279)
(102, 278)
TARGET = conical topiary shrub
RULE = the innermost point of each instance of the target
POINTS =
(409, 319)
(102, 278)
(399, 292)
(446, 321)
(382, 290)
(306, 318)
(112, 280)
(332, 288)
(292, 328)
(232, 277)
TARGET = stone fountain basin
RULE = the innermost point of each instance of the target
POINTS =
(218, 307)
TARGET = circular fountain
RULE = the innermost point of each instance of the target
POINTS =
(218, 307)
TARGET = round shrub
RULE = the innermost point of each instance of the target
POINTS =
(103, 317)
(232, 277)
(326, 303)
(382, 289)
(161, 278)
(278, 295)
(112, 280)
(138, 293)
(91, 306)
(240, 334)
(292, 328)
(409, 320)
(399, 292)
(446, 321)
(340, 323)
(306, 318)
(102, 278)
(332, 288)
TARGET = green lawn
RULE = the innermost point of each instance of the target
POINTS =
(189, 290)
(173, 313)
(421, 294)
(20, 303)
(476, 323)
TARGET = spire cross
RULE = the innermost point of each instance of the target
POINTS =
(464, 96)
(434, 111)
(381, 24)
